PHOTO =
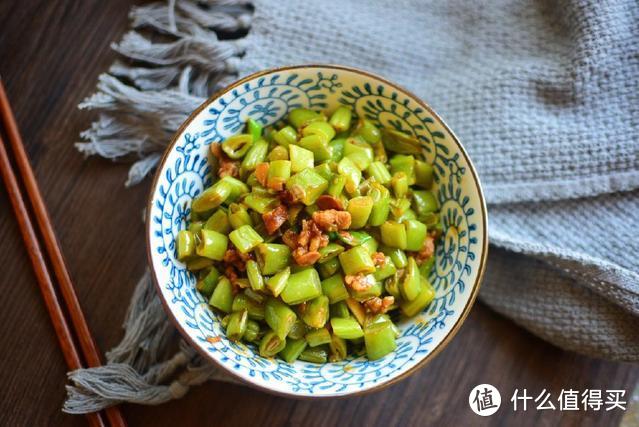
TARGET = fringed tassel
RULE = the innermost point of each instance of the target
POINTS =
(142, 102)
(140, 369)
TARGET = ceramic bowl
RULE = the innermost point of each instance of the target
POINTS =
(267, 97)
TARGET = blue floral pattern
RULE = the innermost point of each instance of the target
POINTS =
(268, 99)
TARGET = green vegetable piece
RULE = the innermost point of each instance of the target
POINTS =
(278, 172)
(411, 285)
(198, 263)
(356, 260)
(386, 270)
(255, 155)
(346, 328)
(399, 142)
(211, 244)
(245, 238)
(379, 172)
(397, 256)
(308, 183)
(238, 216)
(302, 286)
(324, 170)
(352, 174)
(222, 297)
(298, 330)
(271, 344)
(367, 130)
(278, 153)
(374, 290)
(379, 339)
(338, 349)
(293, 349)
(301, 158)
(318, 337)
(423, 299)
(253, 332)
(272, 257)
(277, 282)
(337, 149)
(360, 209)
(404, 163)
(238, 188)
(399, 182)
(329, 267)
(427, 267)
(279, 317)
(300, 117)
(354, 238)
(394, 234)
(254, 129)
(254, 276)
(359, 152)
(318, 145)
(334, 288)
(219, 222)
(423, 174)
(424, 202)
(237, 325)
(339, 309)
(381, 204)
(185, 245)
(285, 136)
(415, 234)
(319, 128)
(314, 355)
(207, 284)
(341, 118)
(330, 251)
(316, 311)
(236, 146)
(195, 226)
(336, 185)
(212, 197)
(260, 202)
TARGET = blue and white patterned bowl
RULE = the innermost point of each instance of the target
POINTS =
(267, 97)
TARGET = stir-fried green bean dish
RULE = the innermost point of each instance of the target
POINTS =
(316, 236)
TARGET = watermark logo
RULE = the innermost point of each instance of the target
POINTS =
(484, 400)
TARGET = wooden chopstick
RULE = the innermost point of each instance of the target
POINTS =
(87, 344)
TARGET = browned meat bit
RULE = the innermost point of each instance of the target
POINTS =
(306, 244)
(236, 258)
(274, 219)
(261, 173)
(227, 167)
(358, 282)
(379, 259)
(332, 220)
(231, 274)
(427, 250)
(286, 197)
(377, 305)
(325, 202)
(304, 257)
(290, 239)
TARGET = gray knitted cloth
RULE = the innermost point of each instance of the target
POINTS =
(544, 95)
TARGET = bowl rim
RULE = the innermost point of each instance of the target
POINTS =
(378, 387)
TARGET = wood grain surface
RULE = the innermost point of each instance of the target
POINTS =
(51, 53)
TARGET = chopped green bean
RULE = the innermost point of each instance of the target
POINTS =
(309, 183)
(211, 244)
(301, 158)
(318, 337)
(419, 303)
(394, 234)
(423, 174)
(314, 355)
(245, 238)
(367, 130)
(411, 285)
(185, 245)
(237, 325)
(219, 222)
(329, 267)
(255, 277)
(272, 257)
(222, 297)
(356, 260)
(360, 209)
(238, 216)
(293, 349)
(341, 119)
(271, 344)
(277, 282)
(279, 317)
(316, 311)
(379, 339)
(285, 136)
(302, 286)
(254, 128)
(339, 309)
(347, 329)
(236, 146)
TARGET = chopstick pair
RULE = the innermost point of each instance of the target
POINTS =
(67, 330)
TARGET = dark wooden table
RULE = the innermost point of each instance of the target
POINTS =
(51, 53)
